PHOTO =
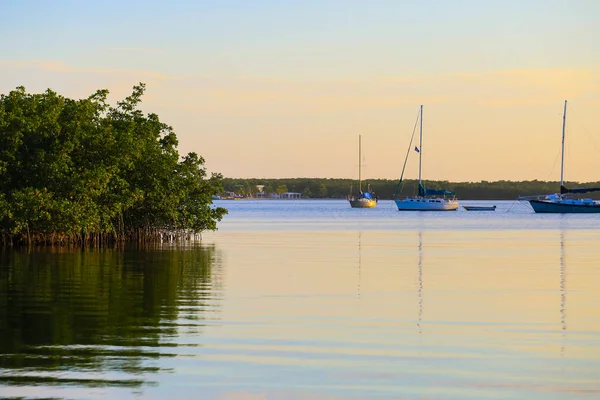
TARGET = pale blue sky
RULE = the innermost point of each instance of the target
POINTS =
(252, 84)
(411, 37)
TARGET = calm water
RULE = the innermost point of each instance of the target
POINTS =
(314, 300)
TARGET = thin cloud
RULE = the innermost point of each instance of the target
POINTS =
(333, 81)
(526, 72)
(62, 67)
(525, 86)
(527, 77)
(134, 49)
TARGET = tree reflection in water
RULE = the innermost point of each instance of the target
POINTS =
(99, 317)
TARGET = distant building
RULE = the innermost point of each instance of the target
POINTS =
(290, 195)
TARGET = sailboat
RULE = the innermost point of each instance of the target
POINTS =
(362, 199)
(563, 203)
(427, 199)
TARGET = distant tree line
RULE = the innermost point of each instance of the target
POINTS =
(79, 171)
(387, 188)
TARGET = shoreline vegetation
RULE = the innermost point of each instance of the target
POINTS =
(385, 189)
(81, 172)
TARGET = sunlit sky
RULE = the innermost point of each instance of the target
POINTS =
(270, 89)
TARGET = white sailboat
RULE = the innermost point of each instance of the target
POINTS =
(563, 202)
(427, 199)
(362, 199)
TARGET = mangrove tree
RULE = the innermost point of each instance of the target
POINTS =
(79, 171)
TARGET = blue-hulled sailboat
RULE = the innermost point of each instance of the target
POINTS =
(563, 202)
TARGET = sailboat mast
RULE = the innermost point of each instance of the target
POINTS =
(420, 143)
(359, 171)
(562, 161)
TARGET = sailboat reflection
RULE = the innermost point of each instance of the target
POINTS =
(420, 287)
(359, 262)
(563, 294)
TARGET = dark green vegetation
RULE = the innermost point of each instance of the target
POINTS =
(100, 318)
(81, 171)
(386, 188)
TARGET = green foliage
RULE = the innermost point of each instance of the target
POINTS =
(80, 170)
(281, 189)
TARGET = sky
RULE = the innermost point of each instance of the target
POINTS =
(282, 88)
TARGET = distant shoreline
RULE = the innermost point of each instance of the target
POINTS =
(388, 189)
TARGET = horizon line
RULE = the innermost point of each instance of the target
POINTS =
(415, 179)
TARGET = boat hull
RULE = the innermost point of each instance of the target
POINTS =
(548, 207)
(363, 203)
(479, 208)
(420, 204)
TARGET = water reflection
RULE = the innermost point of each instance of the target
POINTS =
(563, 295)
(420, 290)
(359, 262)
(300, 316)
(98, 318)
